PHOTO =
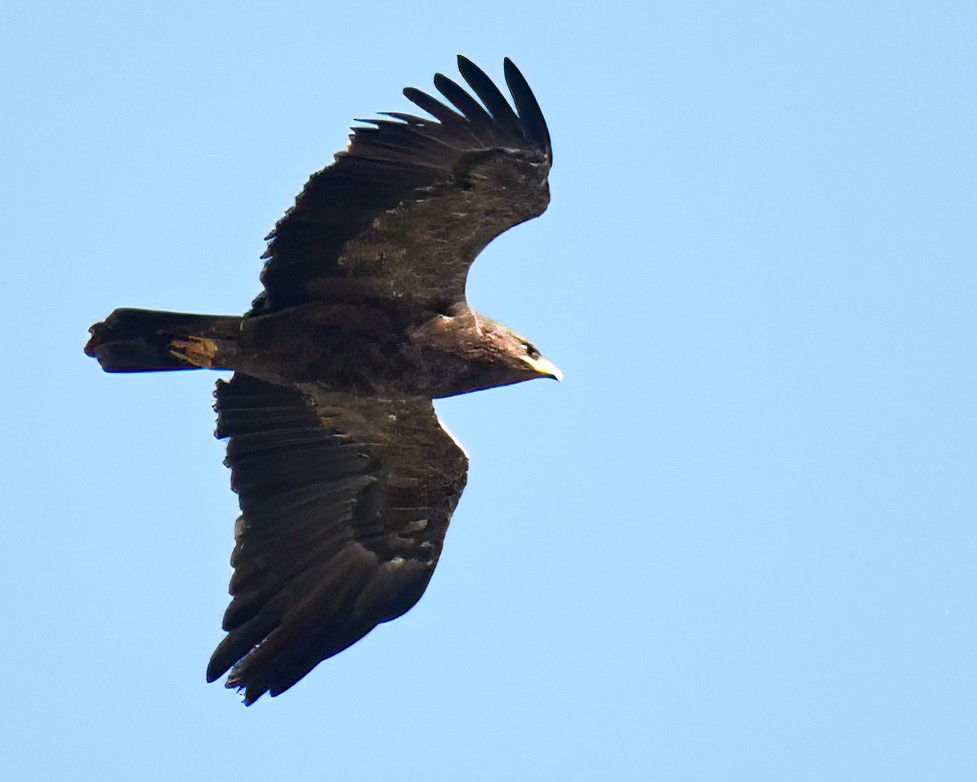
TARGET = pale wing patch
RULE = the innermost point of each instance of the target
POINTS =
(198, 351)
(451, 434)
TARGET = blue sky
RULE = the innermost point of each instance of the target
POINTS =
(737, 543)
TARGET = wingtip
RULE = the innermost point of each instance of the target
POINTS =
(466, 64)
(212, 673)
(512, 72)
(471, 72)
(250, 698)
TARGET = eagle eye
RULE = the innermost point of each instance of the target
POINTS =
(532, 352)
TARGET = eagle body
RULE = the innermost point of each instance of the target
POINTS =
(369, 350)
(345, 477)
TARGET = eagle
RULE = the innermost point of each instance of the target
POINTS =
(346, 477)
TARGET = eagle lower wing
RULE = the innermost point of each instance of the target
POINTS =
(402, 214)
(345, 503)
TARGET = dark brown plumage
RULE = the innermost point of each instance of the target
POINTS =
(345, 477)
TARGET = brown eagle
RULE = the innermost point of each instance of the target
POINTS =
(345, 476)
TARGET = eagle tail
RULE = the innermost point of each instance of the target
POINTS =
(132, 340)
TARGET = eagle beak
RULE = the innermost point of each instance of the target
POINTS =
(544, 367)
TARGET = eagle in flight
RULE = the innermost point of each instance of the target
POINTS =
(345, 476)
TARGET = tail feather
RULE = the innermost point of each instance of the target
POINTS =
(133, 340)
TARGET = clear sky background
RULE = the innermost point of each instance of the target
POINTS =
(737, 543)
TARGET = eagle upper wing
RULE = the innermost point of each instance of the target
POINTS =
(345, 503)
(402, 214)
